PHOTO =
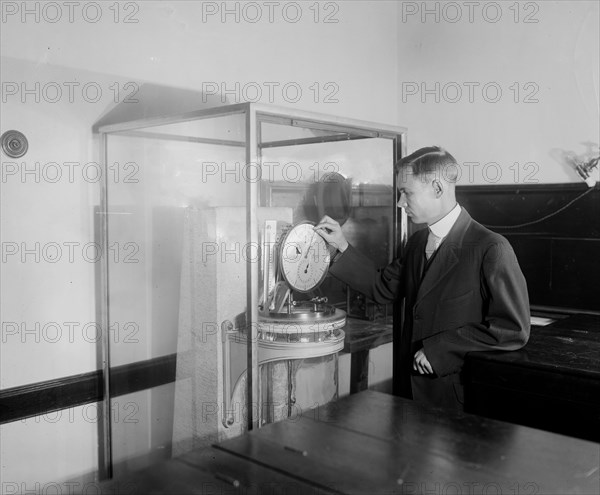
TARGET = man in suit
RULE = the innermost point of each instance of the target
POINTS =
(463, 287)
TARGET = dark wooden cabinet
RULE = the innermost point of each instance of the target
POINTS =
(553, 383)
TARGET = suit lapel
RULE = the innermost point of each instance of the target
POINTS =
(446, 257)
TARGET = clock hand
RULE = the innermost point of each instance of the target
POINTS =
(309, 244)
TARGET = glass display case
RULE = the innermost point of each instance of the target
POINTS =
(215, 294)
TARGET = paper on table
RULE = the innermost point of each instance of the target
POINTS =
(540, 321)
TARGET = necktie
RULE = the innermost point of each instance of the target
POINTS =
(432, 244)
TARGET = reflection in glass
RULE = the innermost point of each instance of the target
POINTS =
(350, 180)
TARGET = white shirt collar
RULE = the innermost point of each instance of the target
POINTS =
(443, 225)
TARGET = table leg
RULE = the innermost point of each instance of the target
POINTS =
(359, 371)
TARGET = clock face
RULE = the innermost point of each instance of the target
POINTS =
(304, 258)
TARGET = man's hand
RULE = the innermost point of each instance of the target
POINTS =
(331, 231)
(421, 364)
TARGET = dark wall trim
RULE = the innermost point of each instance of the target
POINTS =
(53, 395)
(142, 375)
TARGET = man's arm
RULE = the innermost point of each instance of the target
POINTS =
(355, 269)
(358, 271)
(506, 325)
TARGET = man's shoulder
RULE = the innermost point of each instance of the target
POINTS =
(485, 240)
(478, 231)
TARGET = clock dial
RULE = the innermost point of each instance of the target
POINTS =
(304, 258)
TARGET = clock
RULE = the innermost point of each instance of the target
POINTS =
(301, 262)
(303, 258)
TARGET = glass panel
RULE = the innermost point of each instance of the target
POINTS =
(310, 172)
(276, 134)
(177, 273)
(176, 235)
(225, 129)
(350, 180)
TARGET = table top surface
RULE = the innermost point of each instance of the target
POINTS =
(373, 443)
(365, 334)
(569, 345)
(378, 443)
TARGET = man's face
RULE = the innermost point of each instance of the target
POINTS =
(417, 196)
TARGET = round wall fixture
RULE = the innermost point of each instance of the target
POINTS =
(14, 144)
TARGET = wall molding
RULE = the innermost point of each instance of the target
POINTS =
(39, 398)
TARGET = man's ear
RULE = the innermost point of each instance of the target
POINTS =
(438, 188)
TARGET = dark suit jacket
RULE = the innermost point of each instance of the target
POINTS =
(471, 296)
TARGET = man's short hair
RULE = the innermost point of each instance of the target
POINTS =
(429, 161)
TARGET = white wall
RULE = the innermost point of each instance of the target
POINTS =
(547, 72)
(163, 60)
(40, 454)
(172, 45)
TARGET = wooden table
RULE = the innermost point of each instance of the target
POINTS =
(205, 472)
(373, 443)
(552, 383)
